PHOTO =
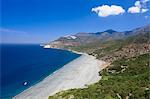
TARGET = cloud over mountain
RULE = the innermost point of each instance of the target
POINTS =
(105, 10)
(139, 7)
(134, 10)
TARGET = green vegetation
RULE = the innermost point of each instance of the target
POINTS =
(110, 47)
(126, 78)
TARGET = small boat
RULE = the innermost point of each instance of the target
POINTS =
(25, 83)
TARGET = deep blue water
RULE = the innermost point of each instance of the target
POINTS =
(28, 63)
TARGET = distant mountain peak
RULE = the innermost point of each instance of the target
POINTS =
(110, 31)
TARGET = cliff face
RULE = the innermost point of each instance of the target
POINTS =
(84, 39)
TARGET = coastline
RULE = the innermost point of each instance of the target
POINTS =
(77, 74)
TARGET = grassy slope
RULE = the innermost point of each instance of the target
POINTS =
(125, 78)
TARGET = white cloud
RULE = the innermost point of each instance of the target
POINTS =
(138, 4)
(134, 10)
(144, 10)
(139, 7)
(105, 10)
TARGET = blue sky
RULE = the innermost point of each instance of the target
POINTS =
(39, 21)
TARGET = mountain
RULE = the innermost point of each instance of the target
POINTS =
(83, 39)
(127, 76)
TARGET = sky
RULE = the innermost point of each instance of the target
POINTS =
(41, 21)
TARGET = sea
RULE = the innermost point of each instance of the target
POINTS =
(23, 66)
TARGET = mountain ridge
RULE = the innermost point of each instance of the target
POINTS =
(81, 39)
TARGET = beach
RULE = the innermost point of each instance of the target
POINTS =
(78, 73)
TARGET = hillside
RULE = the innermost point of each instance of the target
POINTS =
(124, 79)
(124, 48)
(127, 77)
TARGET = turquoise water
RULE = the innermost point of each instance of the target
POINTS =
(30, 64)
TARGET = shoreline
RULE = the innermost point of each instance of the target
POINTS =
(78, 73)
